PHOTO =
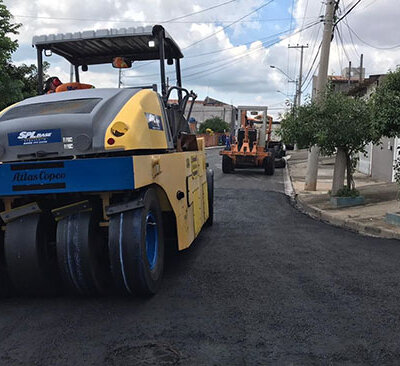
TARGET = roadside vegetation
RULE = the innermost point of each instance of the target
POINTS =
(215, 124)
(16, 82)
(337, 124)
(385, 106)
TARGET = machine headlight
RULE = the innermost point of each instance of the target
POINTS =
(119, 129)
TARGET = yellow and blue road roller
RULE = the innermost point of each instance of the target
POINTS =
(96, 184)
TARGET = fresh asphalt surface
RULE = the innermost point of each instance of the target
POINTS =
(266, 285)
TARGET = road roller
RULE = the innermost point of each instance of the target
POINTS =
(96, 185)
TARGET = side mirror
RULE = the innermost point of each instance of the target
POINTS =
(121, 63)
(85, 68)
(48, 53)
(170, 61)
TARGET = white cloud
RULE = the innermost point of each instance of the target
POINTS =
(240, 74)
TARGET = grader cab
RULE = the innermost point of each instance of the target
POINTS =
(250, 149)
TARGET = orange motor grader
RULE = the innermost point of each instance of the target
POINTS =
(249, 149)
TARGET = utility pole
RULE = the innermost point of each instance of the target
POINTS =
(71, 73)
(295, 95)
(300, 82)
(361, 68)
(312, 164)
(349, 80)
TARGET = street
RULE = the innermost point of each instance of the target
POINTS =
(264, 285)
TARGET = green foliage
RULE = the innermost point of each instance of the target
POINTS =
(334, 122)
(347, 192)
(16, 82)
(9, 87)
(216, 124)
(337, 121)
(385, 105)
(298, 127)
(7, 28)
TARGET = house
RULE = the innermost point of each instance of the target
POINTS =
(344, 82)
(209, 108)
(378, 161)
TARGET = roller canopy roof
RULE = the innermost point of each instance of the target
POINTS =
(101, 46)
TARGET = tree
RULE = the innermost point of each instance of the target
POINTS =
(16, 82)
(10, 89)
(385, 105)
(337, 124)
(216, 124)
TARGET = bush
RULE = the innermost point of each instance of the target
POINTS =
(216, 124)
(347, 192)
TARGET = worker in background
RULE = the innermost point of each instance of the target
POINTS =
(228, 140)
(51, 85)
(193, 125)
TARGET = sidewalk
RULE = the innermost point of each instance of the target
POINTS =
(380, 198)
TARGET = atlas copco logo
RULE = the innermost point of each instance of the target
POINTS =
(33, 135)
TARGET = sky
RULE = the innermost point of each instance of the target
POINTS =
(228, 45)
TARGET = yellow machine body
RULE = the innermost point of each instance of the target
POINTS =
(137, 135)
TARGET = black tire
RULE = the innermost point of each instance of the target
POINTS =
(210, 190)
(280, 163)
(30, 254)
(269, 163)
(82, 254)
(227, 164)
(4, 279)
(137, 264)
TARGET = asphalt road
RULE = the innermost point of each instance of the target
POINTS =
(266, 285)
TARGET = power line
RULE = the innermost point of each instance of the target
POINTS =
(370, 45)
(130, 21)
(351, 39)
(339, 53)
(347, 12)
(341, 41)
(200, 11)
(240, 57)
(150, 21)
(313, 63)
(229, 25)
(223, 28)
(273, 37)
(315, 38)
(236, 59)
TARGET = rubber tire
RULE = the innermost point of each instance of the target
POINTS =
(5, 288)
(30, 254)
(280, 163)
(127, 248)
(82, 255)
(227, 164)
(210, 191)
(269, 163)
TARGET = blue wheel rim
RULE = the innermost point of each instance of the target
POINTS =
(151, 240)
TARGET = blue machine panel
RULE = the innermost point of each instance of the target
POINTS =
(34, 137)
(81, 175)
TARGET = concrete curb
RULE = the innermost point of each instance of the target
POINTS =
(365, 229)
(214, 147)
(321, 215)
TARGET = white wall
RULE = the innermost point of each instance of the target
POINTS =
(364, 162)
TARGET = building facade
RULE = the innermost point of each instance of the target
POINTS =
(209, 108)
(378, 160)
